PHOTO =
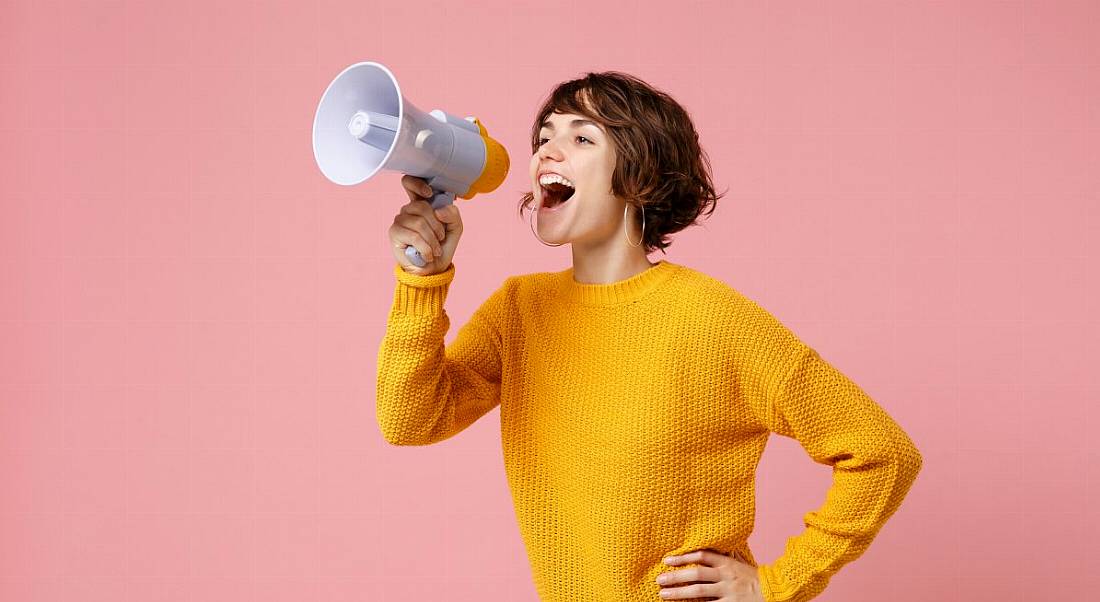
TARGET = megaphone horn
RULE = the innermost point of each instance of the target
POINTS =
(363, 124)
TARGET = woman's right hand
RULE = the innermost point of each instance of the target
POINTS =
(434, 233)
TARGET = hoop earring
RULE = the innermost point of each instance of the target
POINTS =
(627, 231)
(534, 214)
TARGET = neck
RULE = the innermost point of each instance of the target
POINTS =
(627, 290)
(602, 266)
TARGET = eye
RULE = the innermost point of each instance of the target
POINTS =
(545, 140)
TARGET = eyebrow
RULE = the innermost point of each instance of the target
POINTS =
(575, 123)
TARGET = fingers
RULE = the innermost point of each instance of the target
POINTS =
(433, 233)
(420, 210)
(428, 227)
(705, 556)
(405, 237)
(690, 575)
(417, 188)
(693, 592)
(690, 583)
(419, 236)
(450, 216)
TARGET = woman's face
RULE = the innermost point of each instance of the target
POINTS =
(578, 149)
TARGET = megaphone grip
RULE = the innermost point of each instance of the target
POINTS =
(440, 199)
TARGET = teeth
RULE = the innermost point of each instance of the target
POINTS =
(551, 178)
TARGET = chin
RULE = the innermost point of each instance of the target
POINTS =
(553, 237)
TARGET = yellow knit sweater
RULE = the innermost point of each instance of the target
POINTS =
(633, 416)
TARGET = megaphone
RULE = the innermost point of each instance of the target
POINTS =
(363, 124)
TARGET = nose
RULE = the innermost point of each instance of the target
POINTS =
(550, 149)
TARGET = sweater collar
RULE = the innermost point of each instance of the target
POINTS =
(613, 293)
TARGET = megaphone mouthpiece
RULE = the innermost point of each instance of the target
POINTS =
(496, 166)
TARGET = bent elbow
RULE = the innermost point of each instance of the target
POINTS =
(909, 460)
(402, 438)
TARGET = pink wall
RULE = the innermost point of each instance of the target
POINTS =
(190, 311)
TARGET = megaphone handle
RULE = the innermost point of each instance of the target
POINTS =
(440, 199)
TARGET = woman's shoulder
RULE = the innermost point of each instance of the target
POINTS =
(532, 283)
(515, 288)
(694, 281)
(728, 301)
(526, 281)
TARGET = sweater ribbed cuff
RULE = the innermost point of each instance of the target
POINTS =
(422, 295)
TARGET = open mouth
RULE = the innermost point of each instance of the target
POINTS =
(555, 194)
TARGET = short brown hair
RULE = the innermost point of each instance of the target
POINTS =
(660, 164)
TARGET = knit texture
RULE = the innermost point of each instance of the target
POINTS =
(633, 416)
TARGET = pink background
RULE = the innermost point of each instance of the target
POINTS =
(190, 312)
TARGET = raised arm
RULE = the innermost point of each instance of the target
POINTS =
(428, 391)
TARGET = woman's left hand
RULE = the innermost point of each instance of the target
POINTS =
(727, 579)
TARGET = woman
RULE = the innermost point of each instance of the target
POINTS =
(636, 397)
